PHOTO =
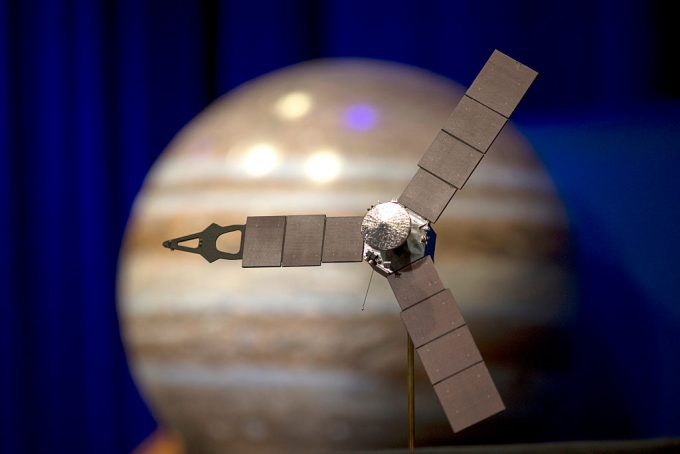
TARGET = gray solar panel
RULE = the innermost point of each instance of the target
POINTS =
(469, 397)
(449, 354)
(502, 83)
(303, 240)
(427, 195)
(451, 160)
(343, 241)
(415, 283)
(444, 345)
(432, 318)
(475, 124)
(263, 242)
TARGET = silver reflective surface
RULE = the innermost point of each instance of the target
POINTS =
(386, 226)
(386, 262)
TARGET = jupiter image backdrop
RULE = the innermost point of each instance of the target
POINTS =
(284, 359)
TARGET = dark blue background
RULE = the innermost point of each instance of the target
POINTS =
(91, 92)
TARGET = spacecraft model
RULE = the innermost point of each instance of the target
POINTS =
(397, 241)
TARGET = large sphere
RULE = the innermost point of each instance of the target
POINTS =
(284, 359)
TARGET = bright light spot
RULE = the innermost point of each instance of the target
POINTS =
(361, 117)
(323, 166)
(260, 160)
(293, 105)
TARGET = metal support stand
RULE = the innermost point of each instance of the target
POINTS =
(411, 395)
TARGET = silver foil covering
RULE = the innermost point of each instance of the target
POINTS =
(386, 226)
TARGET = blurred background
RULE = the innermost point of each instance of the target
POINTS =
(579, 316)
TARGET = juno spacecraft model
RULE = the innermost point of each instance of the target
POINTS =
(396, 239)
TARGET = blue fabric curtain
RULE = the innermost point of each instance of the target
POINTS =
(91, 91)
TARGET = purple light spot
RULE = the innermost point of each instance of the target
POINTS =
(361, 117)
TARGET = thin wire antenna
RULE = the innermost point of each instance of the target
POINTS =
(367, 289)
(410, 379)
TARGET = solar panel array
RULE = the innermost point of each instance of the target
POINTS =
(467, 135)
